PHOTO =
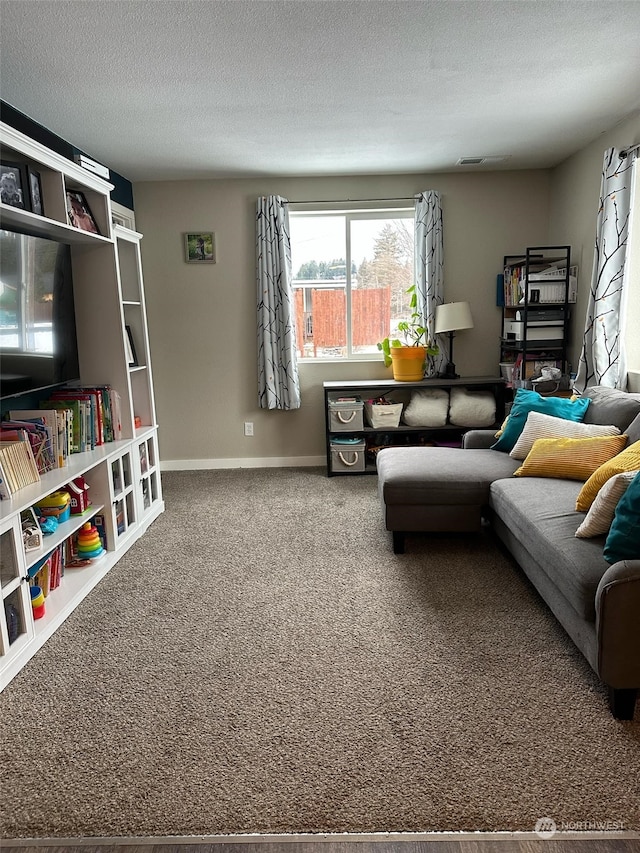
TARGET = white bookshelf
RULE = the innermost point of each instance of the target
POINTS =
(124, 475)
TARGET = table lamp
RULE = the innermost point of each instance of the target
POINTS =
(452, 317)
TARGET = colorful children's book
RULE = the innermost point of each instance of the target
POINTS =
(88, 408)
(74, 422)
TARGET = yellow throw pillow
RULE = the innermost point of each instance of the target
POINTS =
(502, 427)
(569, 458)
(628, 460)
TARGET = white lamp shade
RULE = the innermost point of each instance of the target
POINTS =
(453, 316)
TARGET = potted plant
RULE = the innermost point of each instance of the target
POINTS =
(408, 356)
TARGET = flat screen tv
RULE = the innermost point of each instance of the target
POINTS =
(38, 344)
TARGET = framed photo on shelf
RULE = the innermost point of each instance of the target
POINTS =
(13, 185)
(35, 191)
(79, 212)
(200, 247)
(132, 358)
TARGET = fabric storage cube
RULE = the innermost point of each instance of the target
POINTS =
(383, 415)
(348, 455)
(345, 415)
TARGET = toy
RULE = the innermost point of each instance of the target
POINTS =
(31, 530)
(78, 490)
(57, 504)
(48, 524)
(37, 602)
(89, 543)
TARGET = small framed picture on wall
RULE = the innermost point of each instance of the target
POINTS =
(199, 247)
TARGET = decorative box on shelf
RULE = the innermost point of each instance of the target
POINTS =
(345, 414)
(348, 455)
(382, 414)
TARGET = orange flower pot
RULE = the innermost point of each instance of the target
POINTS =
(408, 363)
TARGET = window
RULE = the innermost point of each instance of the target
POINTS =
(632, 296)
(351, 271)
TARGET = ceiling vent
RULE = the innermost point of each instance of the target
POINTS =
(481, 161)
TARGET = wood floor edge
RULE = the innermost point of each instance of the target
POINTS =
(318, 837)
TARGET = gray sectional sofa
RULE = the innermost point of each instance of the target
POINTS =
(438, 489)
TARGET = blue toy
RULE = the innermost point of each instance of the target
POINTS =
(48, 524)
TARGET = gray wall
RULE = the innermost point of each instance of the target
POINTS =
(202, 319)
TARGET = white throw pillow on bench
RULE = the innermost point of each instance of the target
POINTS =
(427, 408)
(472, 408)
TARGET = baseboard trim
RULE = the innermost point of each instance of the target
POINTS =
(344, 837)
(245, 462)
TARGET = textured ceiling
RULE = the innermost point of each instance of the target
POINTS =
(174, 89)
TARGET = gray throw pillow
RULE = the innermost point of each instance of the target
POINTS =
(633, 430)
(611, 406)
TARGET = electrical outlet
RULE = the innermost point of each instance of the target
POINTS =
(248, 428)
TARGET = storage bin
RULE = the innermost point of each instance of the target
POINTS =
(383, 415)
(506, 369)
(345, 415)
(348, 456)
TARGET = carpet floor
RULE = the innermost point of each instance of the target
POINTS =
(262, 662)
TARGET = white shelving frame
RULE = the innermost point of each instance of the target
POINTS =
(109, 296)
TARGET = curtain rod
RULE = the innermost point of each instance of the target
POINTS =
(629, 150)
(350, 200)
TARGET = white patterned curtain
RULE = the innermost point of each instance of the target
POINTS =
(602, 358)
(278, 383)
(429, 268)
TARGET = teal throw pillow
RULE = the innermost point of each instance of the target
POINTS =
(623, 539)
(527, 401)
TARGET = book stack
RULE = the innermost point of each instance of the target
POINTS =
(513, 283)
(34, 441)
(17, 466)
(74, 420)
(48, 572)
(94, 415)
(41, 429)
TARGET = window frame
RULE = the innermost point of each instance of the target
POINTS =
(351, 213)
(631, 293)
